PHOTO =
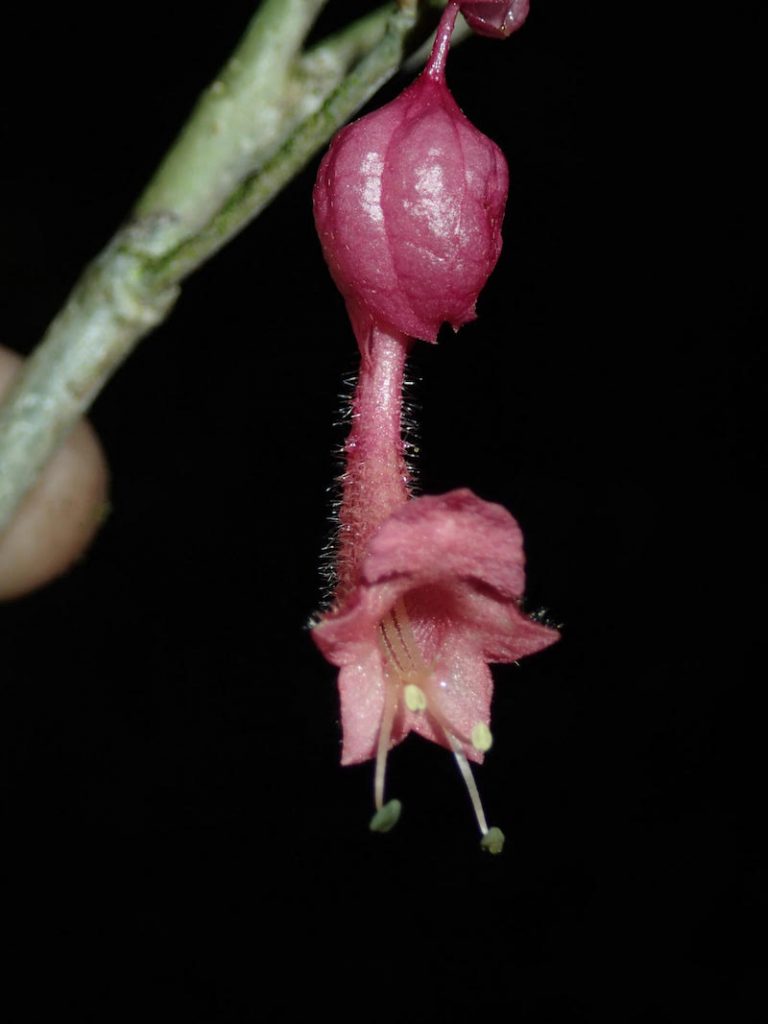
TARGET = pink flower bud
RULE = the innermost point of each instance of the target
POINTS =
(408, 206)
(499, 18)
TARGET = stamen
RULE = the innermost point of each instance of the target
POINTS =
(415, 698)
(401, 644)
(390, 642)
(404, 669)
(493, 840)
(469, 780)
(387, 817)
(399, 612)
(482, 738)
(385, 735)
(402, 623)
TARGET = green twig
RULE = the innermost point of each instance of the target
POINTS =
(236, 118)
(226, 166)
(259, 188)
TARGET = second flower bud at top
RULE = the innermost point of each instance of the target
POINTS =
(408, 206)
(498, 18)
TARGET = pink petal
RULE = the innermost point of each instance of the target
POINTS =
(461, 692)
(494, 628)
(361, 688)
(449, 536)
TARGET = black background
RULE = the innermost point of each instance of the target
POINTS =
(181, 836)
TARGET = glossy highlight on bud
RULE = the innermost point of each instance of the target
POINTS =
(408, 206)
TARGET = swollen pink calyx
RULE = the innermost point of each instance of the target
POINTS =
(408, 203)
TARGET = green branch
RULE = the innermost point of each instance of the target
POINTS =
(259, 188)
(270, 110)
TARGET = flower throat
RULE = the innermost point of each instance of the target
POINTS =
(408, 679)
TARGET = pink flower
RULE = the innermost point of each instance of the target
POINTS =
(429, 591)
(408, 207)
(437, 597)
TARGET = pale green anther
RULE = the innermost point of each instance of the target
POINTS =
(387, 817)
(481, 737)
(493, 840)
(415, 698)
